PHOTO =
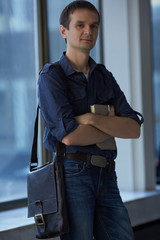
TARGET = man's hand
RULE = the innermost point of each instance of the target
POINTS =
(84, 119)
(88, 118)
(112, 111)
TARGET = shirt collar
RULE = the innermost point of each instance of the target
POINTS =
(68, 68)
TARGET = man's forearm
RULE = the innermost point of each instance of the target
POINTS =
(85, 135)
(121, 127)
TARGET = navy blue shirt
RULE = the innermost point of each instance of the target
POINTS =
(59, 105)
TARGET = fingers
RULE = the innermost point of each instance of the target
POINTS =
(112, 111)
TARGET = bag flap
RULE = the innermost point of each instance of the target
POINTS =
(48, 206)
(41, 187)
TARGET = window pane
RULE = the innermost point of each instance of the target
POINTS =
(156, 79)
(17, 95)
(56, 42)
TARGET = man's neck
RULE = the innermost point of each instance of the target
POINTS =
(78, 60)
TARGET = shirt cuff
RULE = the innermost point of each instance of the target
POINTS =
(64, 127)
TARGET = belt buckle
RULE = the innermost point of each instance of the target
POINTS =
(39, 219)
(99, 161)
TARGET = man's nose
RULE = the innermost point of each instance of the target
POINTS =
(87, 30)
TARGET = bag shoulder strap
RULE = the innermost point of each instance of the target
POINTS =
(60, 146)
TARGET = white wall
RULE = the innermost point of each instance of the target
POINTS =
(124, 24)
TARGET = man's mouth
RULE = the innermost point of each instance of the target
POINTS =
(87, 39)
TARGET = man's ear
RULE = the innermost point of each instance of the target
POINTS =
(63, 31)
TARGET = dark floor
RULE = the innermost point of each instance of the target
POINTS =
(149, 231)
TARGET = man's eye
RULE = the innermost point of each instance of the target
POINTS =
(94, 26)
(80, 25)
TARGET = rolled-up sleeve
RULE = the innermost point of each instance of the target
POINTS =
(55, 107)
(122, 107)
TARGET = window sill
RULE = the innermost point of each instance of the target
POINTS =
(143, 207)
(14, 219)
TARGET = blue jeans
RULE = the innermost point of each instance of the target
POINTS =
(96, 210)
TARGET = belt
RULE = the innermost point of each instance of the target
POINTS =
(95, 160)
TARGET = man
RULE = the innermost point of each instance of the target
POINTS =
(96, 210)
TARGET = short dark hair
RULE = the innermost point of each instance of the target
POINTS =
(70, 8)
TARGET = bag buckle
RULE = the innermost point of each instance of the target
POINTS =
(39, 219)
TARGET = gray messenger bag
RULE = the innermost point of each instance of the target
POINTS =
(46, 193)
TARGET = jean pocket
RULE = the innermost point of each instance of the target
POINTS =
(73, 168)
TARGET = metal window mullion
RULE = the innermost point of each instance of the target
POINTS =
(43, 48)
(101, 32)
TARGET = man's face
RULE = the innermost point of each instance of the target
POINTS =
(83, 30)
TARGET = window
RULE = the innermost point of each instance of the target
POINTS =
(156, 79)
(18, 74)
(17, 95)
